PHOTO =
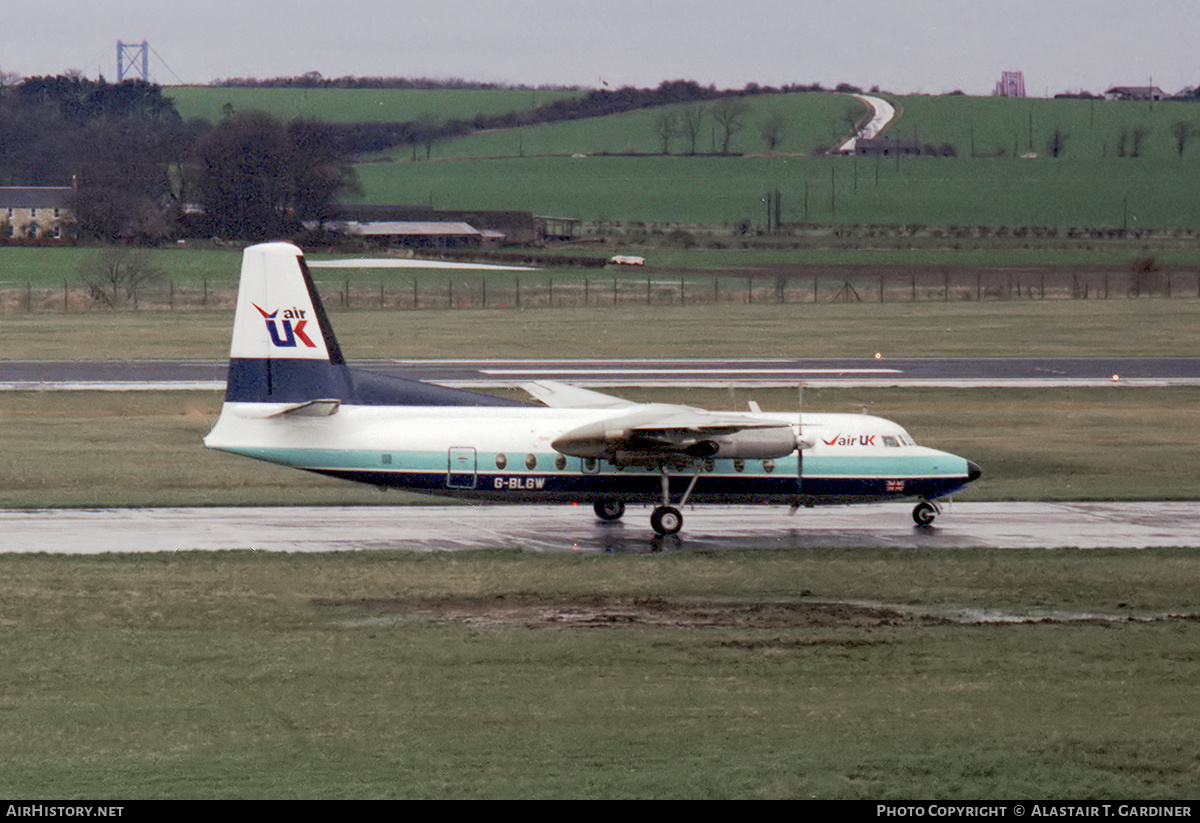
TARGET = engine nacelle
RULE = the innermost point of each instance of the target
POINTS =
(751, 444)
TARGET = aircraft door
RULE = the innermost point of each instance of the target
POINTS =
(460, 472)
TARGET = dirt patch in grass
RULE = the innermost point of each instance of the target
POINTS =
(616, 612)
(603, 612)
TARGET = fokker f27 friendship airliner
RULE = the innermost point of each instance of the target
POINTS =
(292, 399)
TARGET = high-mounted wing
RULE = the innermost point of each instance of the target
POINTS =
(565, 396)
(653, 433)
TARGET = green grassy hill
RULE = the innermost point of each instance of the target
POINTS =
(812, 122)
(1093, 129)
(992, 181)
(613, 169)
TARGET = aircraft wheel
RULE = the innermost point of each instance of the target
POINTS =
(923, 513)
(666, 520)
(609, 509)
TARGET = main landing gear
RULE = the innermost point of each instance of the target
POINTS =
(924, 512)
(609, 509)
(666, 519)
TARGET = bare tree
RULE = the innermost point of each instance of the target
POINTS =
(1138, 137)
(257, 177)
(114, 275)
(1130, 142)
(1182, 131)
(1057, 144)
(730, 114)
(429, 129)
(691, 121)
(666, 126)
(772, 131)
(854, 119)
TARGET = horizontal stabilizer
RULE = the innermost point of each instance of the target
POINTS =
(313, 408)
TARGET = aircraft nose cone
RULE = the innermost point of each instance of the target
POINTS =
(973, 471)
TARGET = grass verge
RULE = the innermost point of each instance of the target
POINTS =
(239, 675)
(1032, 328)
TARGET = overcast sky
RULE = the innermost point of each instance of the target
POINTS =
(900, 45)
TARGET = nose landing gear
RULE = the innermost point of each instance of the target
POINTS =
(924, 513)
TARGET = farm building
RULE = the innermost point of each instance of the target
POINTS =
(435, 227)
(557, 228)
(1135, 93)
(437, 234)
(35, 211)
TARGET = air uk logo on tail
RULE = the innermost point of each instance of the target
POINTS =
(292, 324)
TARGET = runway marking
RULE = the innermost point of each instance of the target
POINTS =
(712, 371)
(113, 385)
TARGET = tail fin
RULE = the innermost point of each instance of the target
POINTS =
(283, 350)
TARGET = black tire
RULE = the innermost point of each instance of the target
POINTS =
(924, 513)
(609, 509)
(666, 520)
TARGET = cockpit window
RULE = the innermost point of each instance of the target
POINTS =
(890, 441)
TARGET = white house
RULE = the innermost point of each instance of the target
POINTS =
(35, 211)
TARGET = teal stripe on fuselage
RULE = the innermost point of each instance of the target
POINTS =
(923, 465)
(359, 459)
(867, 466)
(844, 479)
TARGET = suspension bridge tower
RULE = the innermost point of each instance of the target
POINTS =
(133, 60)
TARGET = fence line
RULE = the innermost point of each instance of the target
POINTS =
(515, 291)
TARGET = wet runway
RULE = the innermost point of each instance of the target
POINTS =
(574, 528)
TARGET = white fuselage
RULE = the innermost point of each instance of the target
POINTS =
(505, 453)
